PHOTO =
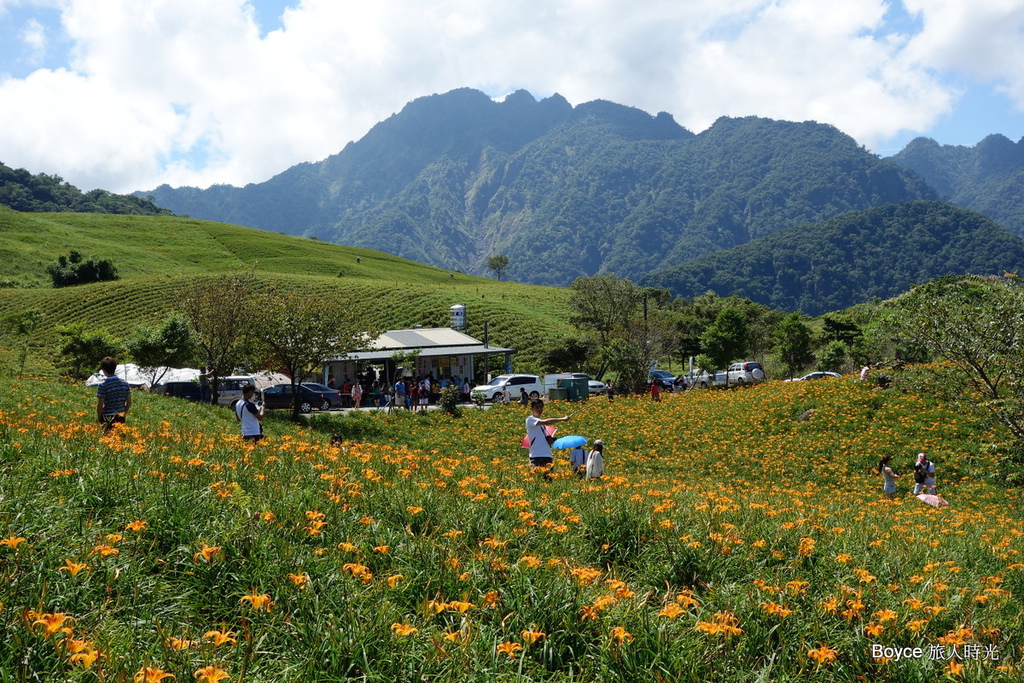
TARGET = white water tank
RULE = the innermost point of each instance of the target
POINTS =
(458, 312)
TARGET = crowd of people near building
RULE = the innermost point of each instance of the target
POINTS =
(411, 393)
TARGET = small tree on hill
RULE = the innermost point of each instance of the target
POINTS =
(298, 332)
(498, 265)
(71, 270)
(794, 342)
(220, 314)
(725, 339)
(21, 326)
(156, 349)
(80, 350)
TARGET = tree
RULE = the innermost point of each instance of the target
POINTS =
(976, 324)
(71, 270)
(629, 326)
(80, 350)
(726, 339)
(21, 326)
(220, 314)
(300, 331)
(157, 349)
(498, 264)
(794, 344)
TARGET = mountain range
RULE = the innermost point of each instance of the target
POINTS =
(567, 191)
(562, 191)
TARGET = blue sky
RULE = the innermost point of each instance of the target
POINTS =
(129, 95)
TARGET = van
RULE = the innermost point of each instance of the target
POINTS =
(229, 389)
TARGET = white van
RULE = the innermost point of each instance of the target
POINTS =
(229, 389)
(508, 386)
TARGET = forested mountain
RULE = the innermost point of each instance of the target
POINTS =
(880, 252)
(988, 177)
(23, 191)
(453, 179)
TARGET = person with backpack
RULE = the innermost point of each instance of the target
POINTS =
(250, 414)
(924, 475)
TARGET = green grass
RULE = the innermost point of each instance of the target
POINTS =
(155, 256)
(721, 503)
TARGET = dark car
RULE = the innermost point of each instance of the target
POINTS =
(663, 378)
(326, 393)
(189, 391)
(280, 396)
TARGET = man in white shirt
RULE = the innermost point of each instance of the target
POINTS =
(250, 415)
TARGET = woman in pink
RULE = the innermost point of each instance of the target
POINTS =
(357, 394)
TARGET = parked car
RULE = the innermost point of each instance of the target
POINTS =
(820, 374)
(508, 385)
(229, 389)
(738, 374)
(280, 396)
(189, 391)
(326, 393)
(747, 372)
(663, 378)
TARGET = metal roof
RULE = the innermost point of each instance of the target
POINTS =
(471, 350)
(398, 340)
(431, 342)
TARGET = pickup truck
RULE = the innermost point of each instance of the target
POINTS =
(747, 372)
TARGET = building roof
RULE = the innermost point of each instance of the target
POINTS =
(398, 340)
(430, 342)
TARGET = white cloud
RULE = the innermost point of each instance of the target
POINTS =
(188, 92)
(983, 41)
(33, 36)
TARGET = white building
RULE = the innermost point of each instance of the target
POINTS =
(442, 352)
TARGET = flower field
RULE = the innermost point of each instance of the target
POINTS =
(729, 541)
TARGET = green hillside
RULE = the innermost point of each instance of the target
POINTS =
(852, 258)
(156, 255)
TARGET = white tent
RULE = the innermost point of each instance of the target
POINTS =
(137, 377)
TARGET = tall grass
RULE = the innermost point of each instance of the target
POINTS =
(729, 542)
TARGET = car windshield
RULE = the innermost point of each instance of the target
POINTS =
(498, 381)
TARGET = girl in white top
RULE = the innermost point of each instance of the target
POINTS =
(595, 461)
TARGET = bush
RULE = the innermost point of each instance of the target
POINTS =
(448, 401)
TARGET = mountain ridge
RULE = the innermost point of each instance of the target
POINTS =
(562, 191)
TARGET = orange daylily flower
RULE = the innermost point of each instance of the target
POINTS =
(402, 630)
(207, 553)
(151, 674)
(13, 542)
(823, 654)
(72, 567)
(258, 602)
(210, 674)
(531, 637)
(218, 638)
(509, 648)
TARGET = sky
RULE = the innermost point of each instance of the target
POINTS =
(125, 95)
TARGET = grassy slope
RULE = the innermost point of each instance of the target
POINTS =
(718, 506)
(156, 255)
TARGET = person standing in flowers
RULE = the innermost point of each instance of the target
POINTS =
(578, 461)
(888, 477)
(113, 397)
(595, 461)
(924, 475)
(537, 436)
(250, 415)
